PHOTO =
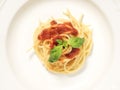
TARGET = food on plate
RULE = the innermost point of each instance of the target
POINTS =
(63, 44)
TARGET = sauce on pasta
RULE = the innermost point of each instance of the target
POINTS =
(63, 45)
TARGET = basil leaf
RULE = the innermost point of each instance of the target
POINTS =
(55, 53)
(76, 42)
(65, 44)
(60, 42)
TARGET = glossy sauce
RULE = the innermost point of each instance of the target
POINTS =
(54, 33)
(57, 29)
(73, 53)
(53, 43)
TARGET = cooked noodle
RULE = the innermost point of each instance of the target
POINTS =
(64, 65)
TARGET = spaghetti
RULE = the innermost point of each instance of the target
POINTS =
(63, 45)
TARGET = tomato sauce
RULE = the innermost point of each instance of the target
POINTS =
(53, 43)
(57, 29)
(53, 22)
(73, 53)
(54, 32)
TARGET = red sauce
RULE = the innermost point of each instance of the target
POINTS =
(56, 30)
(47, 34)
(68, 23)
(53, 43)
(53, 22)
(73, 53)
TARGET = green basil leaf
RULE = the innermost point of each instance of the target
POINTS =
(55, 53)
(76, 42)
(65, 44)
(60, 42)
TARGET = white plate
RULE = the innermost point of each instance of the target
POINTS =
(24, 69)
